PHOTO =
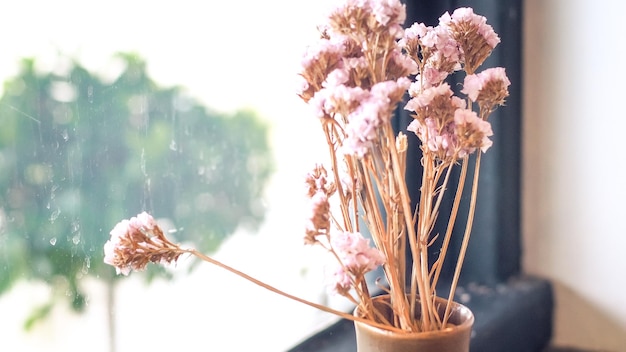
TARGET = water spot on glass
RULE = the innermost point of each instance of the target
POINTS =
(90, 94)
(75, 226)
(143, 162)
(52, 194)
(76, 239)
(65, 135)
(86, 266)
(173, 145)
(53, 241)
(55, 214)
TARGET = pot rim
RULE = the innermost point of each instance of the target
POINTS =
(465, 313)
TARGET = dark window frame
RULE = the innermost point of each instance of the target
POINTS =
(513, 311)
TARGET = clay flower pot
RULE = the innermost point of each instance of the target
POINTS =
(454, 338)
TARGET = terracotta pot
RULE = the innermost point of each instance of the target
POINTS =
(455, 338)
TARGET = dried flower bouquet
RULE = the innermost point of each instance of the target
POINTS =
(354, 78)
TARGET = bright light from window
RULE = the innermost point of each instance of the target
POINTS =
(228, 55)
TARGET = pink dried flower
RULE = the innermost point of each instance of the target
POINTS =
(375, 108)
(413, 34)
(341, 281)
(136, 242)
(475, 37)
(344, 100)
(337, 77)
(401, 65)
(472, 132)
(441, 141)
(415, 31)
(391, 91)
(375, 16)
(319, 189)
(362, 125)
(319, 218)
(318, 103)
(423, 99)
(355, 252)
(318, 61)
(489, 87)
(432, 76)
(348, 184)
(411, 42)
(472, 86)
(390, 14)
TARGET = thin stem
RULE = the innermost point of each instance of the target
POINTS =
(440, 193)
(406, 205)
(284, 294)
(464, 245)
(453, 213)
(424, 228)
(344, 211)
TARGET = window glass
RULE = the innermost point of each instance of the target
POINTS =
(227, 57)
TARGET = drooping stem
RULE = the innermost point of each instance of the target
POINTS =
(271, 288)
(464, 245)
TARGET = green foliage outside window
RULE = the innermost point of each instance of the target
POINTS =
(78, 153)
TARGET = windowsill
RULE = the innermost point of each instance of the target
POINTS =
(515, 316)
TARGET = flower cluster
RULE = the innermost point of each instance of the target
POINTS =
(337, 76)
(354, 255)
(319, 191)
(354, 77)
(443, 122)
(136, 242)
(356, 258)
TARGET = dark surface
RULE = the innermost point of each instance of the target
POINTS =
(514, 317)
(495, 247)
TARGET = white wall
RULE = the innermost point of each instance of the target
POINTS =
(574, 165)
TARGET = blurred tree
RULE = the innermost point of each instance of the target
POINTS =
(78, 154)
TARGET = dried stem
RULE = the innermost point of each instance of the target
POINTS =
(466, 237)
(406, 209)
(437, 266)
(321, 307)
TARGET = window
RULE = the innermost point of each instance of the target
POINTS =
(224, 56)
